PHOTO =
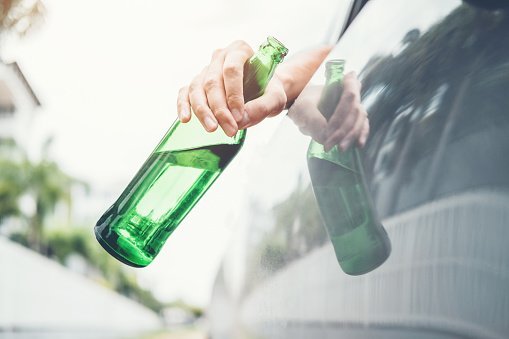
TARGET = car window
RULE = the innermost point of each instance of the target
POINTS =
(432, 87)
(434, 81)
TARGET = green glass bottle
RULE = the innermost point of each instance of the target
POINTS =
(176, 175)
(359, 239)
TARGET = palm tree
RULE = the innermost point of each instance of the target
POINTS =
(42, 180)
(12, 179)
(48, 185)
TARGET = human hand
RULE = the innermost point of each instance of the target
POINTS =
(305, 114)
(349, 123)
(216, 94)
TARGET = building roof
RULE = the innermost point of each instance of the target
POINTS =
(17, 70)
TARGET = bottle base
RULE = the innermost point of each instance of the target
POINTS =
(360, 251)
(121, 253)
(363, 263)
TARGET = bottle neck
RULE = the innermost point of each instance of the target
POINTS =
(334, 71)
(260, 68)
(274, 50)
(333, 88)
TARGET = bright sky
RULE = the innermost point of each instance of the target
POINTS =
(107, 74)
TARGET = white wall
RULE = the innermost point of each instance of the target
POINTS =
(39, 294)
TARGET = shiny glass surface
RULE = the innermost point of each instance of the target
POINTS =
(337, 177)
(435, 78)
(177, 174)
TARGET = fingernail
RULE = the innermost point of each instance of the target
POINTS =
(210, 123)
(236, 115)
(184, 114)
(229, 129)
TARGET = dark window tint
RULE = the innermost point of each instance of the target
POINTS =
(438, 110)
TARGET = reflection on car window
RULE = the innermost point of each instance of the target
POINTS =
(433, 87)
(437, 110)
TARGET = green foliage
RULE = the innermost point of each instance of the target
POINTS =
(61, 243)
(48, 185)
(442, 82)
(194, 310)
(11, 188)
(42, 180)
(297, 229)
(12, 178)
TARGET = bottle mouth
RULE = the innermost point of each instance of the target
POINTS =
(334, 66)
(335, 63)
(282, 51)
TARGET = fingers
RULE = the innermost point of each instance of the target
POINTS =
(347, 122)
(354, 132)
(198, 101)
(272, 102)
(363, 137)
(233, 75)
(215, 93)
(183, 107)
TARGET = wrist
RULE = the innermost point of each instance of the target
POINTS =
(288, 83)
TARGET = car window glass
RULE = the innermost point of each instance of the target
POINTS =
(432, 84)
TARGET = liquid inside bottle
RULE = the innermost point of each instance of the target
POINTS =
(172, 178)
(359, 239)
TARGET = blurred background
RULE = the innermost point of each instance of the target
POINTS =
(87, 89)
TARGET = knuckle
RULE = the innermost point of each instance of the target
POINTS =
(281, 104)
(234, 99)
(359, 125)
(221, 113)
(231, 71)
(277, 108)
(263, 110)
(242, 46)
(200, 110)
(349, 96)
(210, 83)
(340, 134)
(193, 87)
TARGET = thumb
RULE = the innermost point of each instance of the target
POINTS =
(271, 103)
